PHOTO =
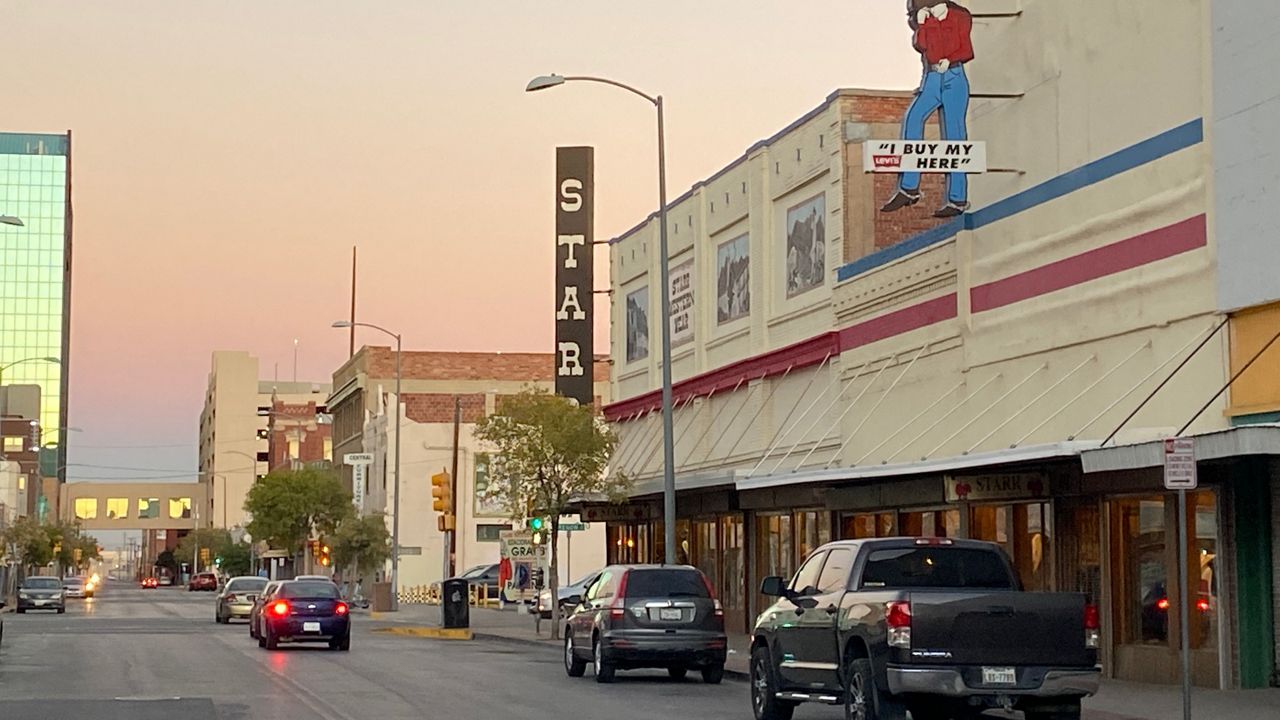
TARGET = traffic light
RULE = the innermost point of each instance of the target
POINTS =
(442, 493)
(217, 562)
(314, 547)
(76, 554)
(325, 559)
(204, 556)
(538, 528)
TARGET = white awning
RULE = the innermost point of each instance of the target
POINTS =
(1232, 442)
(684, 481)
(923, 467)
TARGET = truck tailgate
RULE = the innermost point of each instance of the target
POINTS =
(999, 628)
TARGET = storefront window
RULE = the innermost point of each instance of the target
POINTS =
(707, 550)
(629, 543)
(868, 525)
(732, 542)
(930, 523)
(813, 530)
(1024, 531)
(776, 556)
(1143, 603)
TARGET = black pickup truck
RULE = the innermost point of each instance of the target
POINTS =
(938, 627)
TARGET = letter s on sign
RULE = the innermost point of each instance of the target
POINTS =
(571, 192)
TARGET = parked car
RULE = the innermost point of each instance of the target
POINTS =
(306, 611)
(486, 575)
(938, 627)
(166, 581)
(205, 581)
(320, 578)
(237, 598)
(77, 587)
(41, 593)
(150, 583)
(255, 614)
(573, 591)
(647, 616)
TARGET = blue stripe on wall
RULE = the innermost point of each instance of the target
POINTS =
(1166, 143)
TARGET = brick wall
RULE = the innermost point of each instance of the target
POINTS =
(892, 228)
(470, 365)
(438, 407)
(879, 107)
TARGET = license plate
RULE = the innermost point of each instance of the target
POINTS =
(670, 614)
(999, 676)
(314, 627)
(42, 602)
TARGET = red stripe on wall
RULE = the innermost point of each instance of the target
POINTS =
(899, 321)
(1127, 254)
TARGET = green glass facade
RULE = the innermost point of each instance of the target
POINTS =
(35, 268)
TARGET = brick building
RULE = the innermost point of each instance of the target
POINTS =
(431, 381)
(298, 435)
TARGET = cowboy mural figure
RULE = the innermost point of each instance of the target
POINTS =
(943, 36)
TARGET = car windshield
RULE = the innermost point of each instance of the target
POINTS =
(308, 589)
(247, 585)
(476, 571)
(936, 568)
(666, 584)
(42, 583)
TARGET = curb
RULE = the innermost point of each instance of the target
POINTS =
(434, 633)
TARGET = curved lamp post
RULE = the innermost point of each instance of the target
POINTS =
(545, 82)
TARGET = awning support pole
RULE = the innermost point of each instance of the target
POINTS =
(746, 396)
(1082, 393)
(944, 416)
(779, 437)
(643, 436)
(817, 421)
(1037, 399)
(710, 425)
(654, 450)
(989, 408)
(870, 412)
(908, 424)
(1218, 394)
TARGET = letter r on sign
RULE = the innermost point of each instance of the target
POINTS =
(570, 359)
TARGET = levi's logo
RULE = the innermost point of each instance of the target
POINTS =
(887, 161)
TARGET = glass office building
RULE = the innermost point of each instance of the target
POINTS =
(35, 272)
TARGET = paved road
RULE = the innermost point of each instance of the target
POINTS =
(158, 654)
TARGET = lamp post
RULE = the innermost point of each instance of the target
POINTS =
(545, 82)
(53, 360)
(395, 503)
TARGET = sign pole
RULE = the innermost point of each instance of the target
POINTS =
(1184, 603)
(1180, 475)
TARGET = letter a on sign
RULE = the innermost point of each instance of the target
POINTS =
(575, 231)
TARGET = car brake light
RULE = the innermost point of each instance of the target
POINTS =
(1162, 604)
(280, 608)
(711, 593)
(934, 541)
(340, 609)
(1092, 627)
(617, 610)
(1202, 605)
(898, 617)
(230, 598)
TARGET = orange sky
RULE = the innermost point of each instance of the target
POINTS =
(227, 155)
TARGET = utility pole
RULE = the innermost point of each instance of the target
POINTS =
(449, 535)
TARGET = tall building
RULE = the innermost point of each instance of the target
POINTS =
(235, 429)
(35, 273)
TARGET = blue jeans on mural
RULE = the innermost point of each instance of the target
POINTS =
(948, 93)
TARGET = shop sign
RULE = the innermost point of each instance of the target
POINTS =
(682, 303)
(359, 463)
(931, 156)
(616, 513)
(575, 284)
(1006, 486)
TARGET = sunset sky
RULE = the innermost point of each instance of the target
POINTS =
(227, 155)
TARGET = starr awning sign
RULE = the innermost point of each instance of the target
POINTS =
(1180, 464)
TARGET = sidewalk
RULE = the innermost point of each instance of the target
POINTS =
(1117, 701)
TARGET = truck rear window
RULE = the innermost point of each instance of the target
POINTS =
(660, 584)
(936, 568)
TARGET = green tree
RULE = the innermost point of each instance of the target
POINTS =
(88, 546)
(167, 561)
(235, 559)
(28, 543)
(361, 543)
(216, 539)
(549, 451)
(289, 506)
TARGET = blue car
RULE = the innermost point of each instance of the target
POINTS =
(306, 611)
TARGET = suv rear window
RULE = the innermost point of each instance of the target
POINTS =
(308, 589)
(666, 584)
(936, 568)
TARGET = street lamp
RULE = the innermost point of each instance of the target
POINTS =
(546, 82)
(11, 220)
(53, 360)
(395, 503)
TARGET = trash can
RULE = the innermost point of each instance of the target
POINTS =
(382, 597)
(455, 605)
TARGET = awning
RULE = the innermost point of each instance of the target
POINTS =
(993, 458)
(1232, 442)
(692, 481)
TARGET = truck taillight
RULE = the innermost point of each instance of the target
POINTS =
(1092, 627)
(898, 617)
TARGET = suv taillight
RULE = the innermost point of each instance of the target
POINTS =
(717, 610)
(898, 617)
(618, 608)
(1092, 627)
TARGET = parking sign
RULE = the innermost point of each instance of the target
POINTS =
(1180, 464)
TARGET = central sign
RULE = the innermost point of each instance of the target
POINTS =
(359, 463)
(575, 276)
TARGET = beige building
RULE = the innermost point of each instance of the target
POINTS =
(234, 430)
(135, 505)
(478, 381)
(1005, 375)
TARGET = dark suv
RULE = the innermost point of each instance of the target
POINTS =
(646, 616)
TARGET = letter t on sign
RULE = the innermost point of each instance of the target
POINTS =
(575, 271)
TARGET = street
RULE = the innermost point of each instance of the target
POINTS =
(142, 654)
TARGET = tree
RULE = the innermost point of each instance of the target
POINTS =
(289, 506)
(28, 541)
(235, 559)
(166, 561)
(549, 451)
(361, 542)
(88, 547)
(216, 540)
